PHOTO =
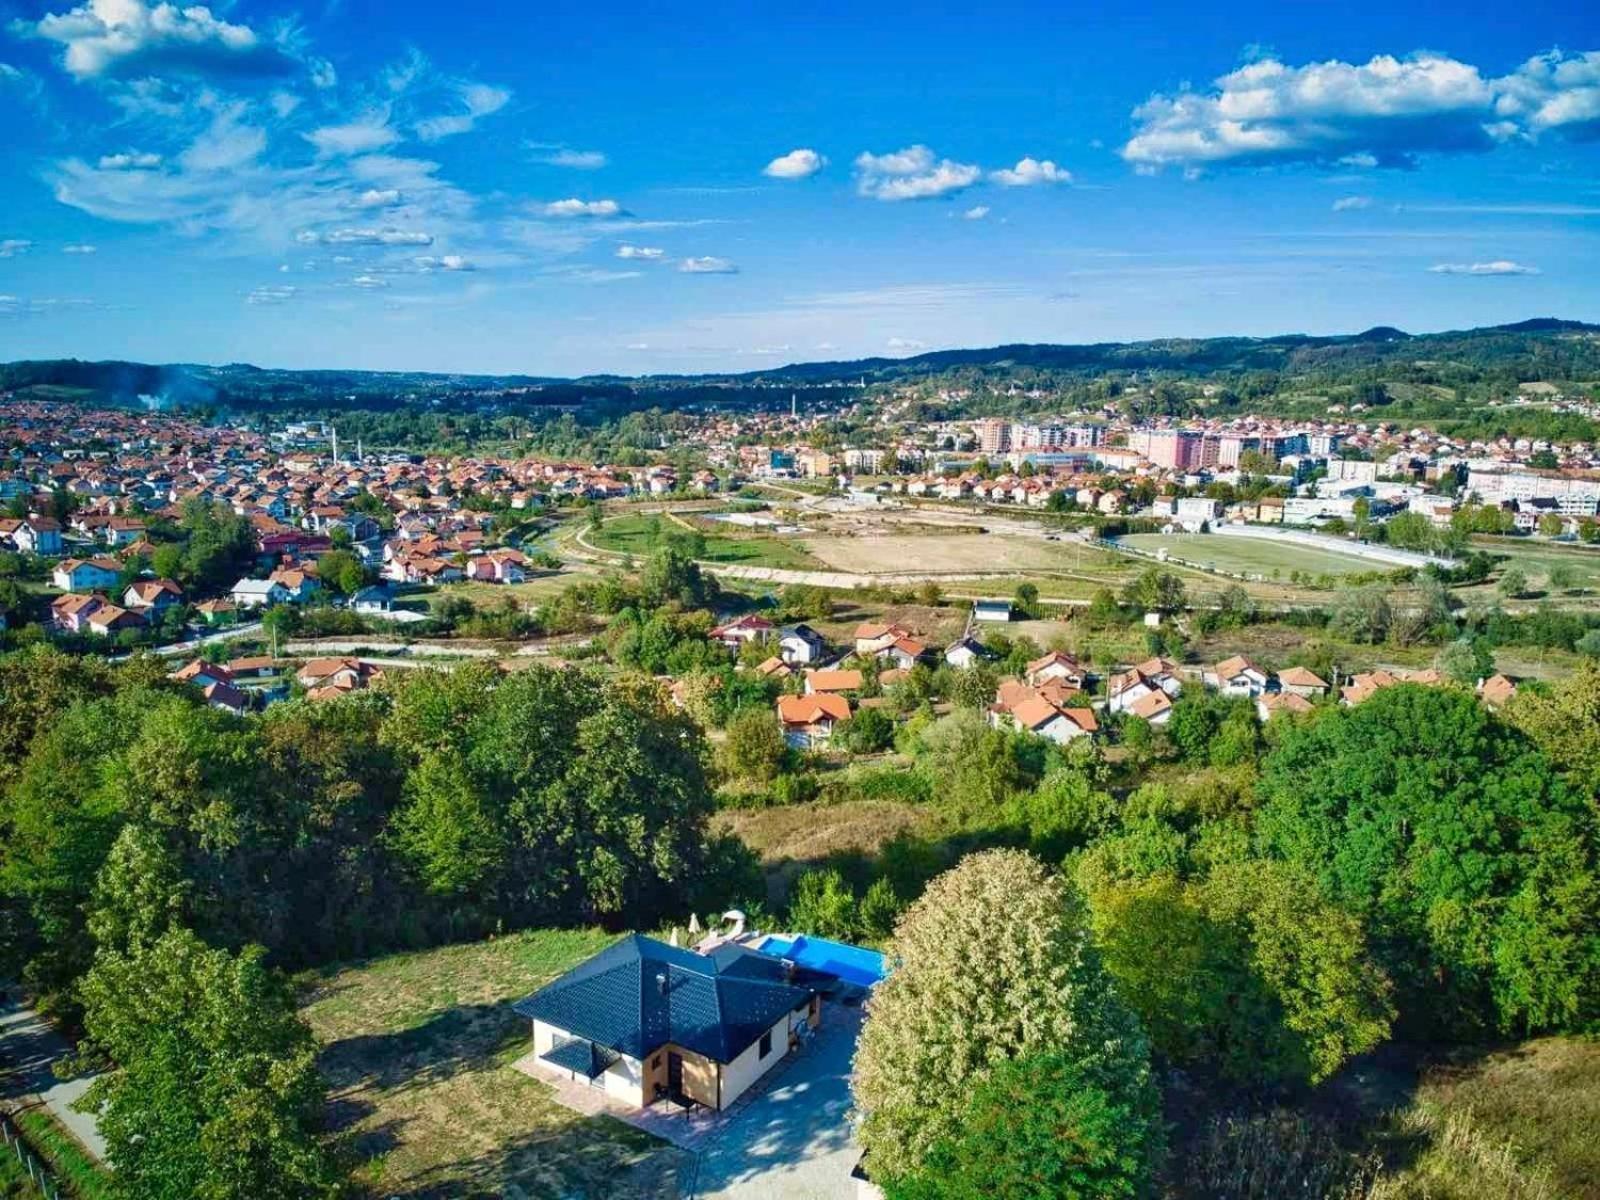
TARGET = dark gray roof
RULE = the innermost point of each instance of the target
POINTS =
(579, 1054)
(640, 994)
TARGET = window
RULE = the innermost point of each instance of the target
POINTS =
(766, 1045)
(655, 1063)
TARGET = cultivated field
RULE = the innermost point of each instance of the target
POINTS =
(1249, 556)
(417, 1051)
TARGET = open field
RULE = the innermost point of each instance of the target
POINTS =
(808, 833)
(1536, 558)
(417, 1051)
(955, 550)
(534, 591)
(1248, 556)
(636, 535)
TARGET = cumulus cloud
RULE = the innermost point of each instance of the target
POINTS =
(976, 213)
(1350, 203)
(11, 247)
(370, 281)
(126, 38)
(280, 294)
(642, 253)
(378, 198)
(911, 174)
(361, 136)
(445, 262)
(797, 164)
(478, 100)
(1499, 266)
(78, 248)
(1030, 172)
(1552, 92)
(366, 237)
(582, 208)
(1384, 113)
(708, 264)
(564, 156)
(132, 160)
(903, 343)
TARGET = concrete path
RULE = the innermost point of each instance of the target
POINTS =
(29, 1046)
(794, 1141)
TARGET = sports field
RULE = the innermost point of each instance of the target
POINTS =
(1249, 556)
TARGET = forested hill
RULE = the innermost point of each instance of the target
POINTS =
(1497, 356)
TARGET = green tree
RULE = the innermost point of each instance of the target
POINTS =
(937, 1028)
(342, 571)
(869, 731)
(1466, 660)
(215, 1093)
(1512, 583)
(1447, 831)
(755, 747)
(1039, 1128)
(824, 904)
(1155, 590)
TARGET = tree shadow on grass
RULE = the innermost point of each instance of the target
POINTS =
(449, 1042)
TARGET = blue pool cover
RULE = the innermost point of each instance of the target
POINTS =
(850, 963)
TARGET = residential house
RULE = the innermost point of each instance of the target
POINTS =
(1127, 689)
(809, 720)
(227, 697)
(300, 585)
(742, 631)
(152, 597)
(70, 613)
(377, 598)
(643, 1021)
(1154, 707)
(109, 619)
(1035, 714)
(800, 645)
(905, 653)
(86, 574)
(202, 673)
(1297, 681)
(255, 666)
(964, 653)
(832, 681)
(1496, 690)
(1056, 665)
(38, 535)
(774, 668)
(1237, 676)
(259, 593)
(218, 612)
(873, 636)
(498, 566)
(325, 677)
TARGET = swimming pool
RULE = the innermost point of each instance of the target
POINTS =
(850, 963)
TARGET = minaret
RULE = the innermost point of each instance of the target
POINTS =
(359, 455)
(794, 406)
(335, 445)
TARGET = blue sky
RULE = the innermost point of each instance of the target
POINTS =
(570, 188)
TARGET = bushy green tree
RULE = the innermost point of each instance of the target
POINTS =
(215, 1093)
(943, 1023)
(755, 747)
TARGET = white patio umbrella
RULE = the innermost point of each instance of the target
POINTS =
(694, 923)
(674, 938)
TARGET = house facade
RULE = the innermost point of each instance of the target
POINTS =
(644, 1021)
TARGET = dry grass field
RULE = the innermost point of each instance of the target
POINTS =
(888, 553)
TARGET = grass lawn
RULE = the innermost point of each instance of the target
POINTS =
(80, 1176)
(491, 595)
(937, 552)
(637, 535)
(1536, 558)
(14, 1183)
(417, 1051)
(1251, 556)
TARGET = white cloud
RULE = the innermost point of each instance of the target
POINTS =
(1029, 172)
(976, 213)
(378, 198)
(1499, 266)
(445, 262)
(911, 174)
(479, 100)
(563, 156)
(370, 281)
(642, 253)
(78, 248)
(582, 208)
(1350, 203)
(132, 160)
(280, 294)
(11, 247)
(128, 38)
(226, 144)
(708, 265)
(797, 164)
(361, 136)
(366, 237)
(902, 343)
(1385, 111)
(638, 345)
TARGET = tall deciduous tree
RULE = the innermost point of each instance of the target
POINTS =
(951, 1014)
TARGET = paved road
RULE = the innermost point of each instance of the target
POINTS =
(29, 1045)
(794, 1142)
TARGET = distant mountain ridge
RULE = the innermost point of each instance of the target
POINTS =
(1543, 347)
